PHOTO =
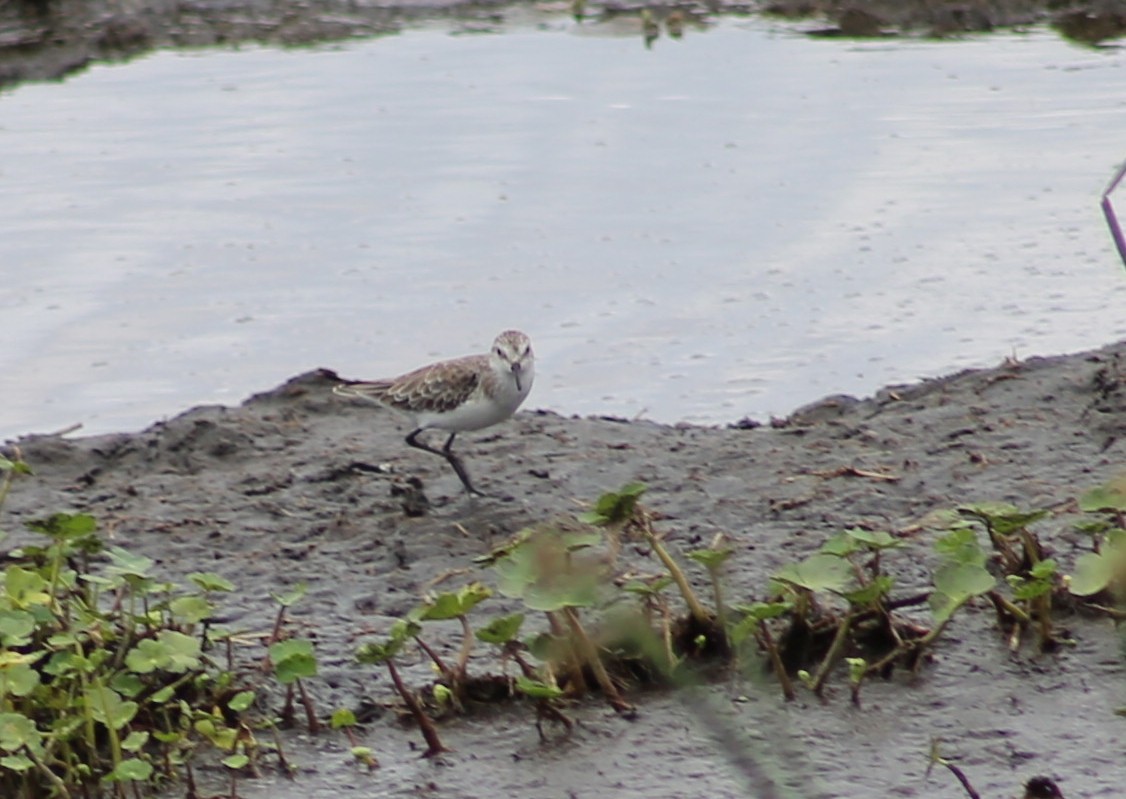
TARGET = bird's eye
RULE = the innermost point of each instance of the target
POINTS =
(499, 352)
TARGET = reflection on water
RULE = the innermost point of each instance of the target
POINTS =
(729, 224)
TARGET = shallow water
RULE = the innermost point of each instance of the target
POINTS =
(730, 224)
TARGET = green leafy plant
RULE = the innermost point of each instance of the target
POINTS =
(1031, 577)
(345, 720)
(454, 605)
(106, 681)
(1099, 578)
(538, 684)
(545, 572)
(385, 653)
(622, 513)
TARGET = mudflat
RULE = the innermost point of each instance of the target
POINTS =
(298, 485)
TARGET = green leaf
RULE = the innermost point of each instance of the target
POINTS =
(16, 627)
(711, 558)
(131, 769)
(241, 701)
(960, 546)
(443, 696)
(293, 660)
(840, 545)
(1093, 573)
(545, 574)
(18, 679)
(1111, 496)
(501, 630)
(126, 564)
(16, 763)
(405, 629)
(454, 604)
(147, 656)
(190, 609)
(108, 708)
(64, 663)
(955, 583)
(25, 588)
(17, 731)
(871, 593)
(1000, 517)
(209, 581)
(15, 467)
(171, 652)
(372, 653)
(1044, 569)
(65, 526)
(1024, 590)
(537, 689)
(874, 539)
(183, 651)
(294, 596)
(959, 580)
(342, 717)
(135, 741)
(236, 761)
(217, 732)
(127, 684)
(819, 572)
(614, 507)
(363, 754)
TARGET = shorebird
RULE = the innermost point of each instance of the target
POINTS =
(458, 395)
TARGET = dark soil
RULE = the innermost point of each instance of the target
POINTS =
(43, 39)
(299, 485)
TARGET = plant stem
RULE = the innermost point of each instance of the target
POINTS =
(717, 596)
(666, 635)
(776, 662)
(832, 655)
(577, 685)
(1003, 604)
(466, 648)
(434, 656)
(429, 731)
(694, 607)
(51, 776)
(310, 713)
(590, 655)
(545, 708)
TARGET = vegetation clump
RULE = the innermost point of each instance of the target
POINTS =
(112, 679)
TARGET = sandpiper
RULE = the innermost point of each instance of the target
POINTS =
(461, 394)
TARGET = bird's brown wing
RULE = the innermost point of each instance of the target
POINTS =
(436, 388)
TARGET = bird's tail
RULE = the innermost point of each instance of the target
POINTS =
(362, 389)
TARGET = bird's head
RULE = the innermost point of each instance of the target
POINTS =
(512, 353)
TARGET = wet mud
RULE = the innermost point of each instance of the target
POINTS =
(45, 39)
(298, 485)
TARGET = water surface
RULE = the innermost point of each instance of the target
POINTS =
(731, 224)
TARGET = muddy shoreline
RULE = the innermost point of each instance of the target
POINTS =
(269, 494)
(49, 39)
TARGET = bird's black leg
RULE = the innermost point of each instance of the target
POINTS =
(446, 453)
(412, 439)
(459, 467)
